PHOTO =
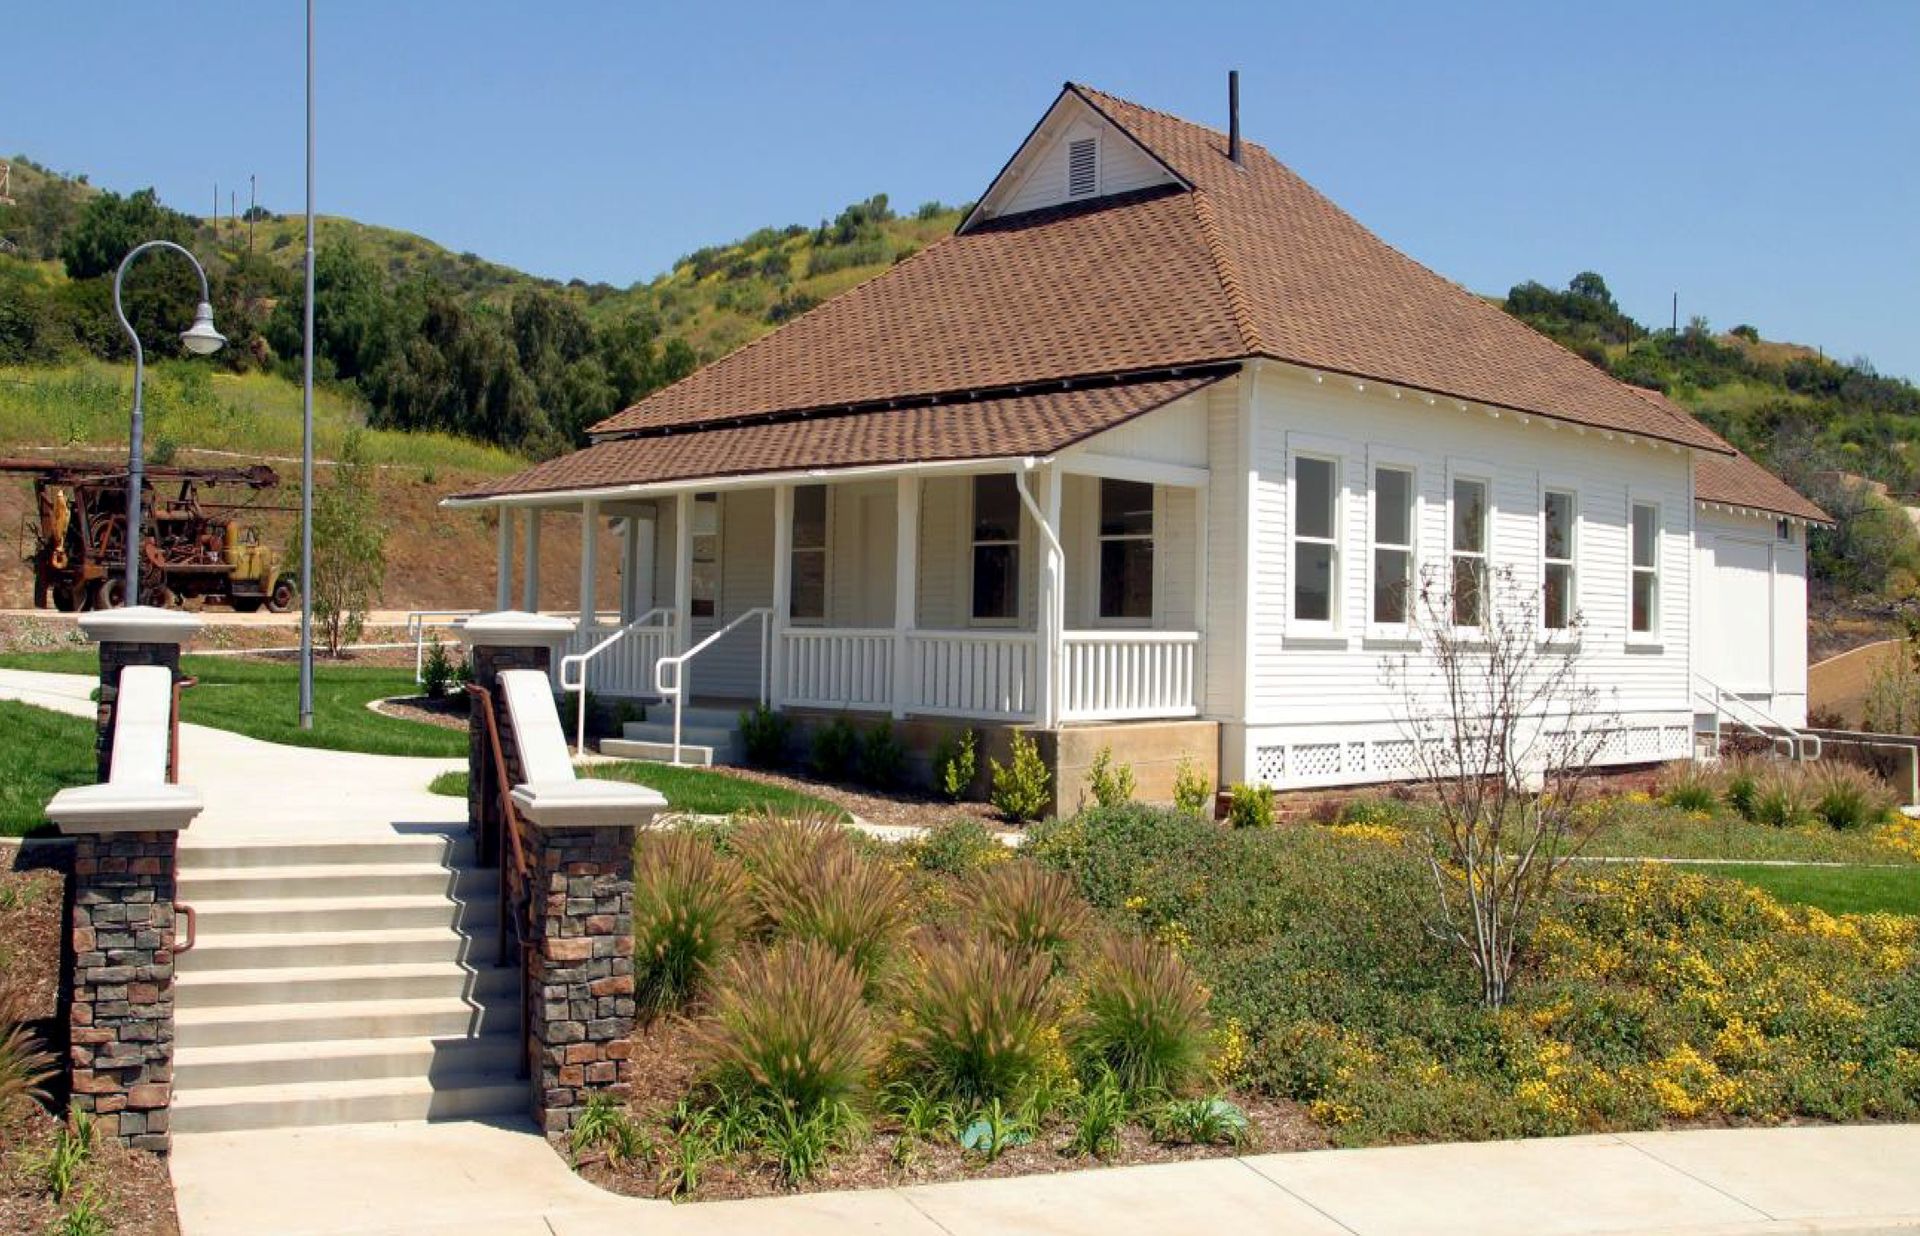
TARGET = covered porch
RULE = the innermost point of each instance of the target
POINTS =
(1026, 591)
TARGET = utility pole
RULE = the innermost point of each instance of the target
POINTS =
(253, 208)
(1676, 313)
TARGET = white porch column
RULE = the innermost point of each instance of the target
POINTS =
(530, 564)
(503, 568)
(683, 567)
(1201, 567)
(906, 589)
(1051, 607)
(782, 600)
(589, 562)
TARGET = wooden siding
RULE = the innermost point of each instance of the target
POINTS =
(1041, 177)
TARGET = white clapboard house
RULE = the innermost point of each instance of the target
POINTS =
(1145, 455)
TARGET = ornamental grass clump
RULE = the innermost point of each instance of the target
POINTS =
(980, 1022)
(689, 908)
(1780, 798)
(853, 905)
(1685, 786)
(1847, 797)
(25, 1066)
(1145, 1017)
(1740, 783)
(1027, 908)
(790, 1032)
(778, 851)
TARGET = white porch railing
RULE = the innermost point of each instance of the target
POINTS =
(837, 668)
(1114, 675)
(422, 621)
(993, 675)
(670, 673)
(617, 661)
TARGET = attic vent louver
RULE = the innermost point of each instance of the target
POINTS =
(1083, 171)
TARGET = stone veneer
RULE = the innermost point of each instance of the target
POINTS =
(580, 969)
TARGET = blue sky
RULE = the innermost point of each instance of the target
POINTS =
(1761, 159)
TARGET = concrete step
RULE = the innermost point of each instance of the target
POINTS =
(333, 1020)
(442, 851)
(654, 731)
(265, 949)
(662, 752)
(704, 715)
(347, 1102)
(334, 880)
(417, 980)
(274, 1064)
(220, 918)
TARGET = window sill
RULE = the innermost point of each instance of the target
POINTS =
(1646, 643)
(1559, 641)
(1313, 635)
(1391, 637)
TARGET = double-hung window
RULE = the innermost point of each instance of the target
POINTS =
(1470, 521)
(1126, 550)
(1644, 617)
(1558, 530)
(1392, 546)
(809, 578)
(996, 548)
(705, 571)
(1316, 539)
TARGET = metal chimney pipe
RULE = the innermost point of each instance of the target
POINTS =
(1233, 114)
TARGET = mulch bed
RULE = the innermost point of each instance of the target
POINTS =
(904, 808)
(449, 712)
(132, 1186)
(664, 1073)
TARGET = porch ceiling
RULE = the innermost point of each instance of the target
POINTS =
(995, 428)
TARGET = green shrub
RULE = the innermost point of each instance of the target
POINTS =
(957, 848)
(763, 736)
(1740, 784)
(1023, 788)
(1375, 811)
(1685, 786)
(1111, 785)
(853, 905)
(883, 760)
(1250, 806)
(1027, 908)
(836, 748)
(689, 907)
(1781, 799)
(1847, 797)
(1145, 1019)
(436, 670)
(1192, 793)
(979, 1020)
(955, 761)
(789, 1031)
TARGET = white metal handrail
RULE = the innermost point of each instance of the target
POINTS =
(418, 621)
(677, 692)
(579, 660)
(1784, 738)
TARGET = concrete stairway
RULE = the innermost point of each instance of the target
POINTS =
(342, 982)
(707, 736)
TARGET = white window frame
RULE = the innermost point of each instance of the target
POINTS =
(1019, 554)
(1152, 537)
(1575, 538)
(1379, 458)
(1653, 636)
(1481, 474)
(824, 549)
(719, 555)
(1329, 451)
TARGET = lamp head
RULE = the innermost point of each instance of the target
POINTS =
(201, 338)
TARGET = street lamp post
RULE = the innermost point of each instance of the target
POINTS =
(201, 339)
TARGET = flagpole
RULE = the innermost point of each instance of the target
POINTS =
(306, 427)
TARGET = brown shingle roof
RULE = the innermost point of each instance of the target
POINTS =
(1733, 478)
(982, 429)
(1252, 261)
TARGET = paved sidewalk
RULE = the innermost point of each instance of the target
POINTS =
(426, 1179)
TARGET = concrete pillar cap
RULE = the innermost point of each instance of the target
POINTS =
(515, 628)
(139, 624)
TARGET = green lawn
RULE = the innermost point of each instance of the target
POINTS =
(41, 753)
(1837, 890)
(703, 791)
(261, 700)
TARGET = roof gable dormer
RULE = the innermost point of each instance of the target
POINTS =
(1074, 154)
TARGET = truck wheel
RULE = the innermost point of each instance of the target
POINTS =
(282, 597)
(66, 598)
(110, 593)
(244, 605)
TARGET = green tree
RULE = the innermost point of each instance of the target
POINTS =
(349, 547)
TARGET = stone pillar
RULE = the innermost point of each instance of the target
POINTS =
(511, 639)
(141, 635)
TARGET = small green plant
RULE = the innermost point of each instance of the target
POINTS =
(1145, 1019)
(1684, 786)
(763, 736)
(686, 1157)
(1740, 784)
(836, 748)
(1098, 1118)
(1022, 788)
(1192, 793)
(1846, 797)
(1200, 1122)
(958, 847)
(979, 1021)
(1374, 811)
(436, 670)
(72, 1147)
(24, 1065)
(86, 1217)
(689, 907)
(1110, 784)
(993, 1130)
(955, 762)
(1027, 908)
(1250, 806)
(920, 1116)
(799, 1144)
(789, 1030)
(606, 1128)
(883, 760)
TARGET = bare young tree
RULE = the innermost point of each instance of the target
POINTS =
(1504, 729)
